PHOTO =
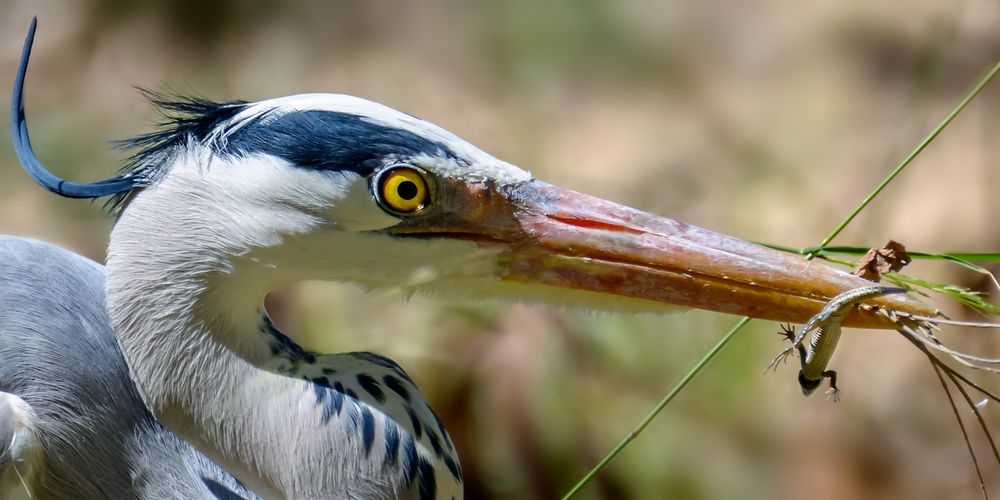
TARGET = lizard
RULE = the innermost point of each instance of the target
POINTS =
(825, 327)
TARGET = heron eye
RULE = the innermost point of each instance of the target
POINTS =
(402, 189)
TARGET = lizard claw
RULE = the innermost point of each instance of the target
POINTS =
(834, 394)
(780, 358)
(787, 331)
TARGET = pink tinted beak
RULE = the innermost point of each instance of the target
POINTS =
(566, 239)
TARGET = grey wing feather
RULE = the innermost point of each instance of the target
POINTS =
(58, 353)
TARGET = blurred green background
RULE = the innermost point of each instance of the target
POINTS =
(765, 119)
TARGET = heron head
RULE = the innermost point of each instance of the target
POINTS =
(326, 186)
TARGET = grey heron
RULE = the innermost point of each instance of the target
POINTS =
(231, 200)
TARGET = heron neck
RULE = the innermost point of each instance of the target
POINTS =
(212, 368)
(176, 342)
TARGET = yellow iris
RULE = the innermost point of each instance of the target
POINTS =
(403, 190)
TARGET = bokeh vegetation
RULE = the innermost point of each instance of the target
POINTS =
(768, 120)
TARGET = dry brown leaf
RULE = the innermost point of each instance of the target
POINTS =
(878, 261)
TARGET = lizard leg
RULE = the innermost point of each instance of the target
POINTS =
(788, 331)
(834, 392)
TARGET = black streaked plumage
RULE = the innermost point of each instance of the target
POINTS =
(330, 140)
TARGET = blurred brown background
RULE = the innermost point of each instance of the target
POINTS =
(765, 119)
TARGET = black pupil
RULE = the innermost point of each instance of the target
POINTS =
(407, 190)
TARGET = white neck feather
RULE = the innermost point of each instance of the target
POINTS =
(185, 297)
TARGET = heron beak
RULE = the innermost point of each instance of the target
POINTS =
(582, 242)
(561, 238)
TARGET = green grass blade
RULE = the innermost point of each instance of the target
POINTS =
(957, 293)
(960, 294)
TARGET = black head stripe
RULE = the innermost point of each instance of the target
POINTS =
(186, 119)
(330, 140)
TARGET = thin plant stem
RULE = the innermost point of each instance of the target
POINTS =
(906, 162)
(965, 434)
(656, 410)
